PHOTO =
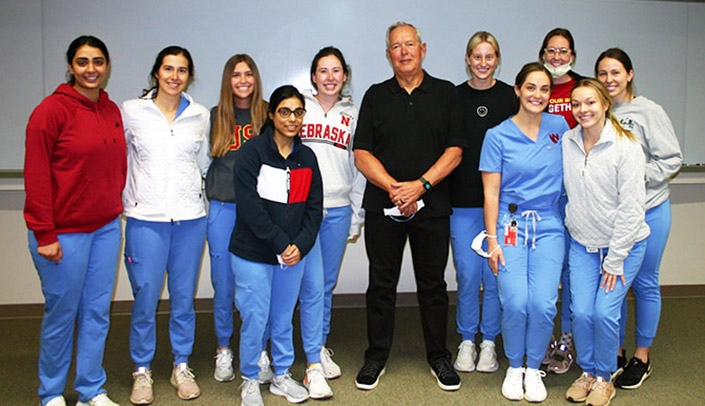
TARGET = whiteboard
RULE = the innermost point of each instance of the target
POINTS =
(666, 41)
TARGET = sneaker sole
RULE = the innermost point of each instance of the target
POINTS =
(461, 369)
(373, 384)
(489, 370)
(320, 396)
(192, 396)
(638, 384)
(276, 391)
(444, 386)
(225, 379)
(616, 374)
(511, 398)
(332, 376)
(141, 402)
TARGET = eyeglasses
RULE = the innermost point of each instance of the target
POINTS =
(559, 51)
(286, 112)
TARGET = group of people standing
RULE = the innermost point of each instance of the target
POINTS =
(566, 178)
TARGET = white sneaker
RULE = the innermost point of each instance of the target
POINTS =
(250, 393)
(487, 361)
(57, 401)
(466, 357)
(315, 382)
(331, 370)
(535, 390)
(224, 365)
(265, 374)
(512, 387)
(100, 400)
(284, 385)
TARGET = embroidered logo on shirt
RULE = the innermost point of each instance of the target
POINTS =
(482, 111)
(554, 137)
(627, 124)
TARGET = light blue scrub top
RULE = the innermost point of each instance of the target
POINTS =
(532, 172)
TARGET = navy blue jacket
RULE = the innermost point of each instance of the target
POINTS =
(279, 201)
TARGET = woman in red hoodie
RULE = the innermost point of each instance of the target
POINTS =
(75, 168)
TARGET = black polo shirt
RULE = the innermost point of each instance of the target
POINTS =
(408, 133)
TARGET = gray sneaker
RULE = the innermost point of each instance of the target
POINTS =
(284, 385)
(488, 357)
(265, 374)
(224, 365)
(250, 393)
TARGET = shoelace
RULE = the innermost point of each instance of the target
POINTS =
(327, 353)
(370, 369)
(223, 358)
(184, 375)
(250, 385)
(142, 380)
(443, 370)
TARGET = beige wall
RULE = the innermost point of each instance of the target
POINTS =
(682, 264)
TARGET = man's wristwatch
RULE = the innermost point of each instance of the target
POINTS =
(426, 184)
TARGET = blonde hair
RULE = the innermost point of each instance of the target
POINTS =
(477, 39)
(606, 100)
(224, 123)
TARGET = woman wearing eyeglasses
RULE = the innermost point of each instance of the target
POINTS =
(558, 56)
(279, 211)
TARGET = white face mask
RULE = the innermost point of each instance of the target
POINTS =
(559, 71)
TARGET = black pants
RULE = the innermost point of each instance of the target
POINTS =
(384, 241)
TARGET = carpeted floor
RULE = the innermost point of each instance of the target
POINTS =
(678, 357)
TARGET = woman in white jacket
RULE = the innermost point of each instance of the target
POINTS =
(168, 156)
(603, 172)
(328, 130)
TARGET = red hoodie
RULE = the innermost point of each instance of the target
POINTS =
(75, 164)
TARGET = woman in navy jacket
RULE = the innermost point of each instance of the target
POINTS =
(279, 211)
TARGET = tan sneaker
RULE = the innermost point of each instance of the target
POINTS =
(580, 389)
(142, 387)
(184, 381)
(601, 394)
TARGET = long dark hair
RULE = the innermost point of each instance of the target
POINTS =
(170, 50)
(623, 58)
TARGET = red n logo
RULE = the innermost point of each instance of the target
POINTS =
(345, 120)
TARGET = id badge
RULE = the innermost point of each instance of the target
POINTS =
(510, 234)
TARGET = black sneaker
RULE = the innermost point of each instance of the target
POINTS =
(621, 364)
(634, 374)
(445, 375)
(368, 377)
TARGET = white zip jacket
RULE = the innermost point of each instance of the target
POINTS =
(166, 162)
(330, 136)
(651, 126)
(606, 194)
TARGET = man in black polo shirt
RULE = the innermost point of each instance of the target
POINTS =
(409, 137)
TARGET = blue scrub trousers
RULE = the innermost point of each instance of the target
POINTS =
(566, 326)
(320, 277)
(528, 287)
(266, 295)
(596, 313)
(646, 288)
(221, 221)
(153, 249)
(473, 270)
(77, 294)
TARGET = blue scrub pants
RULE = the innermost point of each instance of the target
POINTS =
(151, 250)
(266, 294)
(471, 271)
(566, 326)
(320, 277)
(646, 288)
(77, 294)
(528, 288)
(596, 313)
(221, 221)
